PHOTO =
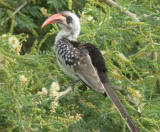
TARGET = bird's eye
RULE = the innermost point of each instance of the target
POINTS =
(69, 19)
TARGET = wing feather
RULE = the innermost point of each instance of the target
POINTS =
(88, 74)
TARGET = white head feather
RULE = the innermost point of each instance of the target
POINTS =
(71, 30)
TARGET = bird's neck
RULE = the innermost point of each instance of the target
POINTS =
(70, 35)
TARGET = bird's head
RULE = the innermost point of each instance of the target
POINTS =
(68, 21)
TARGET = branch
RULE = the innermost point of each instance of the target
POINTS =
(2, 83)
(69, 88)
(121, 9)
(15, 12)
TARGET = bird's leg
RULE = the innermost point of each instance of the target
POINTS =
(69, 88)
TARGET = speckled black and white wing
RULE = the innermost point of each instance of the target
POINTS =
(67, 57)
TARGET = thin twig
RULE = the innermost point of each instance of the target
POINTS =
(62, 94)
(69, 88)
(15, 12)
(2, 83)
(121, 9)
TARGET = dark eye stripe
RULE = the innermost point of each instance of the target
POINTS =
(69, 19)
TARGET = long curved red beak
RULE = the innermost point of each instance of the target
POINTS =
(52, 19)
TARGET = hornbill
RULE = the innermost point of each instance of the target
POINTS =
(83, 61)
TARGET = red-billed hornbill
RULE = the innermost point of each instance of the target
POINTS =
(83, 61)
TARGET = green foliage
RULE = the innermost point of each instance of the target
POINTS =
(28, 67)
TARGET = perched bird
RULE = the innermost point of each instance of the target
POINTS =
(83, 61)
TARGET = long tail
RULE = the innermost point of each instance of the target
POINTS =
(119, 106)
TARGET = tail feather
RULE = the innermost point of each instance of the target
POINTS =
(120, 108)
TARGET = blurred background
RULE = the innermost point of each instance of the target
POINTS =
(30, 78)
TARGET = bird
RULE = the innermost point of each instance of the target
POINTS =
(83, 60)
